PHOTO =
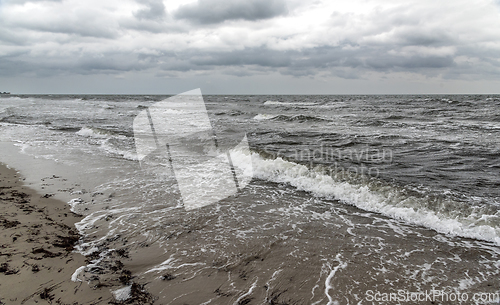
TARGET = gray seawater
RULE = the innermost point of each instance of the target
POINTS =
(351, 195)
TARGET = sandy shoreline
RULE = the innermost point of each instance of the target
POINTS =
(327, 260)
(37, 260)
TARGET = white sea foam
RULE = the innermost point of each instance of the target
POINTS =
(164, 265)
(249, 292)
(87, 222)
(88, 251)
(105, 145)
(125, 154)
(74, 276)
(388, 202)
(263, 116)
(74, 203)
(328, 285)
(277, 103)
(89, 132)
(123, 294)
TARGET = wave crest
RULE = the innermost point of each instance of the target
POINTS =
(445, 216)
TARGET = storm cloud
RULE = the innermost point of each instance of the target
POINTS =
(155, 9)
(216, 11)
(179, 39)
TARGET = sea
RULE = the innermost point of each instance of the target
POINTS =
(352, 199)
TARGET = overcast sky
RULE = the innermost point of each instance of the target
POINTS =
(250, 46)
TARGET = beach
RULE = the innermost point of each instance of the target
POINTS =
(37, 242)
(37, 254)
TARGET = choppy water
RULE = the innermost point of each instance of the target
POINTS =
(350, 194)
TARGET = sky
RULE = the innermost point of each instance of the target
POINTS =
(250, 46)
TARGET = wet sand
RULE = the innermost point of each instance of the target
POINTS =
(37, 258)
(308, 256)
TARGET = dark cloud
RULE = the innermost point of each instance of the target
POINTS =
(401, 25)
(337, 61)
(384, 62)
(152, 21)
(250, 56)
(216, 11)
(333, 60)
(417, 38)
(155, 10)
(70, 39)
(84, 29)
(11, 37)
(342, 62)
(85, 64)
(423, 37)
(113, 63)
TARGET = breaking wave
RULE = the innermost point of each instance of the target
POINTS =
(443, 215)
(289, 118)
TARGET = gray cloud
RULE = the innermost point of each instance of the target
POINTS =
(337, 61)
(155, 10)
(111, 63)
(84, 29)
(11, 38)
(256, 56)
(100, 40)
(87, 22)
(216, 11)
(416, 37)
(414, 63)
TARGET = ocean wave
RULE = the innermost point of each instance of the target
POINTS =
(446, 216)
(123, 153)
(278, 103)
(106, 139)
(91, 133)
(99, 133)
(289, 118)
(396, 117)
(263, 116)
